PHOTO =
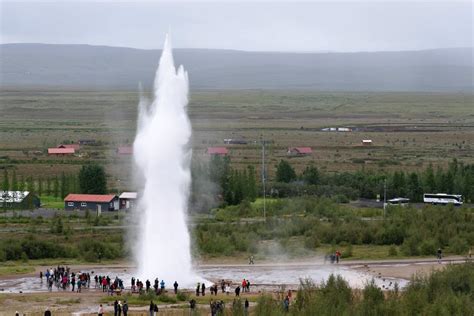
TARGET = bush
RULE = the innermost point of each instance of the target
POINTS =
(392, 251)
(428, 247)
(182, 296)
(347, 253)
(410, 247)
(458, 245)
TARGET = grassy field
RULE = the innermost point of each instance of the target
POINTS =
(409, 130)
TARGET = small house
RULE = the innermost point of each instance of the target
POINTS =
(125, 150)
(232, 141)
(75, 146)
(86, 142)
(127, 200)
(299, 151)
(61, 151)
(217, 151)
(366, 142)
(19, 200)
(94, 202)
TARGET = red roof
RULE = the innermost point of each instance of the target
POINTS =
(75, 146)
(125, 150)
(98, 198)
(217, 151)
(59, 151)
(301, 150)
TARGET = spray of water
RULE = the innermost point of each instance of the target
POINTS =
(162, 156)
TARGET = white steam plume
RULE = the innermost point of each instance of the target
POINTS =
(162, 155)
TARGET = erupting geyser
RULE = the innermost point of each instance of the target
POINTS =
(163, 155)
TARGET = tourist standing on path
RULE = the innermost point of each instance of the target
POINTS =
(227, 289)
(162, 285)
(203, 289)
(439, 255)
(116, 308)
(175, 285)
(100, 311)
(198, 288)
(125, 308)
(104, 284)
(338, 255)
(286, 304)
(237, 291)
(152, 308)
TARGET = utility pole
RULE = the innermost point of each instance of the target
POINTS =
(384, 197)
(263, 179)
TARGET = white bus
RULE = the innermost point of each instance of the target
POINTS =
(442, 198)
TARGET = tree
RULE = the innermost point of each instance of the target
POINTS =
(30, 186)
(56, 187)
(285, 173)
(14, 182)
(40, 186)
(6, 183)
(311, 175)
(415, 191)
(64, 185)
(429, 182)
(48, 186)
(21, 184)
(92, 179)
(251, 181)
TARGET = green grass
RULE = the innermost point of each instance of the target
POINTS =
(52, 202)
(17, 268)
(143, 300)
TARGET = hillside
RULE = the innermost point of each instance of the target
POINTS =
(100, 67)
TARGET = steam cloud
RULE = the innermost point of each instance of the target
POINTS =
(162, 155)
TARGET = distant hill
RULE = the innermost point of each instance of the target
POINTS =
(100, 67)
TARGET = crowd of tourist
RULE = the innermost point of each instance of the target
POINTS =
(64, 279)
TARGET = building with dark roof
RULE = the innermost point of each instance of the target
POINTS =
(128, 200)
(75, 146)
(94, 202)
(19, 200)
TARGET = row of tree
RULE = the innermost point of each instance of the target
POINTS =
(52, 186)
(91, 179)
(235, 185)
(458, 178)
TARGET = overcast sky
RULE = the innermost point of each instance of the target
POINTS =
(251, 25)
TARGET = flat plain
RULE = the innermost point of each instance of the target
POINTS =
(408, 130)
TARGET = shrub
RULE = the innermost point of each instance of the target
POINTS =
(392, 251)
(182, 296)
(428, 247)
(458, 245)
